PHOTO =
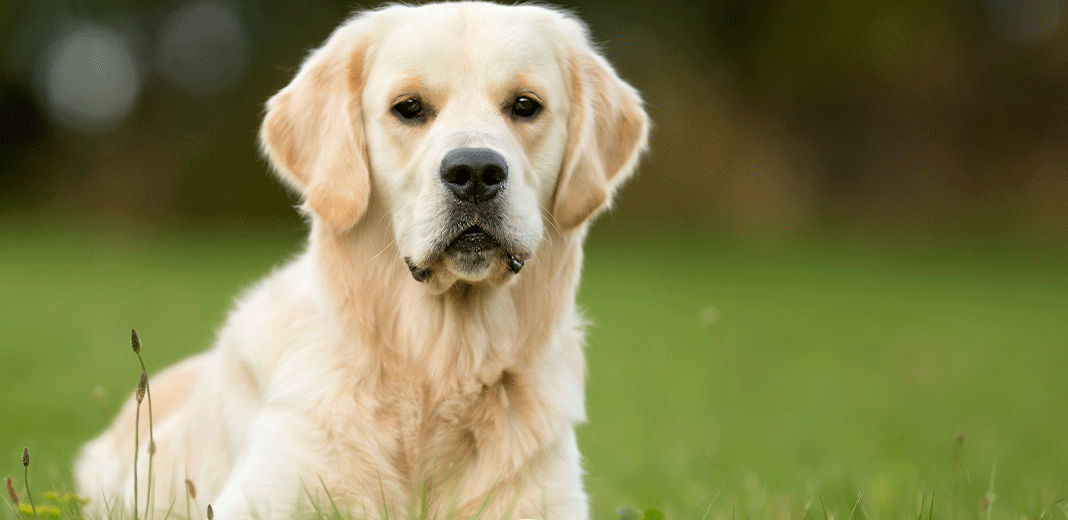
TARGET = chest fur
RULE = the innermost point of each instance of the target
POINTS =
(426, 436)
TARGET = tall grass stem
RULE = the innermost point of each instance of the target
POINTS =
(26, 479)
(139, 395)
(135, 342)
(190, 492)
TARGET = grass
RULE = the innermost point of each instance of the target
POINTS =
(844, 377)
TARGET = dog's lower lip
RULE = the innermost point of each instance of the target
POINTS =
(473, 230)
(473, 240)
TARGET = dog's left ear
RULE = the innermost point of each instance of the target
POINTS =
(608, 130)
(313, 131)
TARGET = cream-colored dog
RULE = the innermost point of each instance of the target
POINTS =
(424, 354)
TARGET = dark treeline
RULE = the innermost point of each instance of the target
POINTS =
(768, 113)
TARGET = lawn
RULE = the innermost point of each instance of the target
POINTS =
(760, 379)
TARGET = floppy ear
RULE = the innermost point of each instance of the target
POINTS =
(313, 130)
(608, 129)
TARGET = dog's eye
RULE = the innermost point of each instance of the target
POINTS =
(410, 110)
(525, 107)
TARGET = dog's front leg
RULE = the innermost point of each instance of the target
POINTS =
(548, 487)
(273, 471)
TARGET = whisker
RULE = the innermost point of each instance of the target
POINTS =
(548, 217)
(383, 250)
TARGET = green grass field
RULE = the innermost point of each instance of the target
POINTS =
(738, 378)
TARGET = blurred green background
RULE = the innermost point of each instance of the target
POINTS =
(842, 269)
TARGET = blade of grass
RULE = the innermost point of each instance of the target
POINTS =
(857, 503)
(1053, 502)
(385, 507)
(107, 507)
(485, 503)
(708, 509)
(337, 512)
(311, 499)
(170, 509)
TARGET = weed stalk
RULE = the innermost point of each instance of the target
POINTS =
(26, 478)
(139, 395)
(135, 343)
(190, 493)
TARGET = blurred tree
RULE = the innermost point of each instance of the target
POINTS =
(768, 113)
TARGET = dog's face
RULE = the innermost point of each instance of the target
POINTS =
(477, 128)
(466, 129)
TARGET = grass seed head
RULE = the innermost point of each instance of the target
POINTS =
(11, 491)
(211, 513)
(191, 488)
(25, 457)
(135, 341)
(142, 386)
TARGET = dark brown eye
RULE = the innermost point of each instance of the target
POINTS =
(410, 110)
(525, 107)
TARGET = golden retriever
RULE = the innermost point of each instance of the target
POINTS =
(424, 354)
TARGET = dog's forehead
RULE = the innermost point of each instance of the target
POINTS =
(447, 45)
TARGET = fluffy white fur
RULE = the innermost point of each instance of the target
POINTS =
(340, 372)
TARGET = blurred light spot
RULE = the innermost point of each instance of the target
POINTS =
(202, 47)
(100, 395)
(91, 80)
(1026, 22)
(709, 316)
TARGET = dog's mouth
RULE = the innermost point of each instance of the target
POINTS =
(471, 250)
(472, 241)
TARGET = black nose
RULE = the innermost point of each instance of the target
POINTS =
(474, 174)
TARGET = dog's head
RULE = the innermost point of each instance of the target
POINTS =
(478, 128)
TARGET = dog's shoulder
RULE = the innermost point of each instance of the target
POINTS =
(279, 317)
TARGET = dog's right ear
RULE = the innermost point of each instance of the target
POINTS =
(608, 131)
(313, 130)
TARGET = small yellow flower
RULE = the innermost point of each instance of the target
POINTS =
(27, 511)
(51, 495)
(71, 498)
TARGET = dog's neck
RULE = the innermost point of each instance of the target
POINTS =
(401, 329)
